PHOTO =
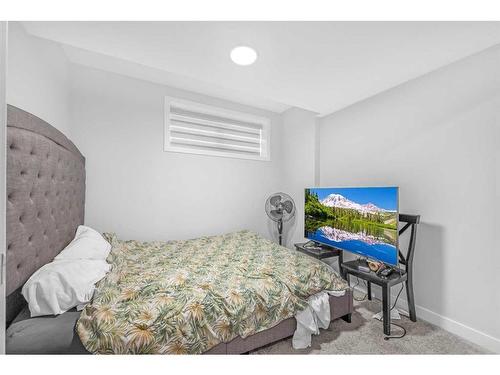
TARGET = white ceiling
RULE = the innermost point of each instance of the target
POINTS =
(319, 66)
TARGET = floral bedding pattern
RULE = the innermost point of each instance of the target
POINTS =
(188, 296)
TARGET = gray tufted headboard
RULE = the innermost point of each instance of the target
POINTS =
(45, 198)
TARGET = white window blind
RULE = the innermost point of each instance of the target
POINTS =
(201, 129)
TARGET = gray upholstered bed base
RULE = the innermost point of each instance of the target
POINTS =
(339, 307)
(45, 205)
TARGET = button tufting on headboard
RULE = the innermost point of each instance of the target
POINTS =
(45, 198)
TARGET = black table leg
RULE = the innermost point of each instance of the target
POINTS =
(386, 302)
(369, 290)
(347, 318)
(411, 299)
(342, 271)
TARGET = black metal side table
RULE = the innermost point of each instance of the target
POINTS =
(319, 251)
(398, 276)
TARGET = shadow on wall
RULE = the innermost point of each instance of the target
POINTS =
(288, 231)
(430, 252)
(272, 228)
(432, 276)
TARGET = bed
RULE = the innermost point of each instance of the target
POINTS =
(236, 292)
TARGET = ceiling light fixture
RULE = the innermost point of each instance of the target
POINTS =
(243, 55)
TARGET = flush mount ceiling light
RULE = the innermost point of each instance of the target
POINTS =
(243, 55)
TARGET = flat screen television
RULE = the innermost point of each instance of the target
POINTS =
(361, 220)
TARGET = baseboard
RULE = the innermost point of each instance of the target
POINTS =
(473, 335)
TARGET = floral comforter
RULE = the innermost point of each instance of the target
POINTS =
(188, 296)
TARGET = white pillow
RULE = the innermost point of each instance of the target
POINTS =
(61, 285)
(87, 244)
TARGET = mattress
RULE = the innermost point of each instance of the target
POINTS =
(189, 296)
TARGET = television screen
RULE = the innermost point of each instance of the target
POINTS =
(363, 221)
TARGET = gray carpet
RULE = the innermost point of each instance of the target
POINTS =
(365, 336)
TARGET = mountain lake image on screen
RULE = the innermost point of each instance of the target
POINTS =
(363, 221)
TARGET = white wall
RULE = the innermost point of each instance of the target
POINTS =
(438, 138)
(3, 107)
(38, 77)
(299, 166)
(139, 191)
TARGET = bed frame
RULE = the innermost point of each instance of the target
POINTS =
(46, 203)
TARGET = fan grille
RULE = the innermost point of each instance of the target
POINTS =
(280, 206)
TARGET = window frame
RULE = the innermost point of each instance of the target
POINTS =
(265, 122)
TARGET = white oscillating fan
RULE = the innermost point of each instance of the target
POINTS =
(280, 208)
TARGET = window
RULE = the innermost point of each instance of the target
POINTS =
(201, 129)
